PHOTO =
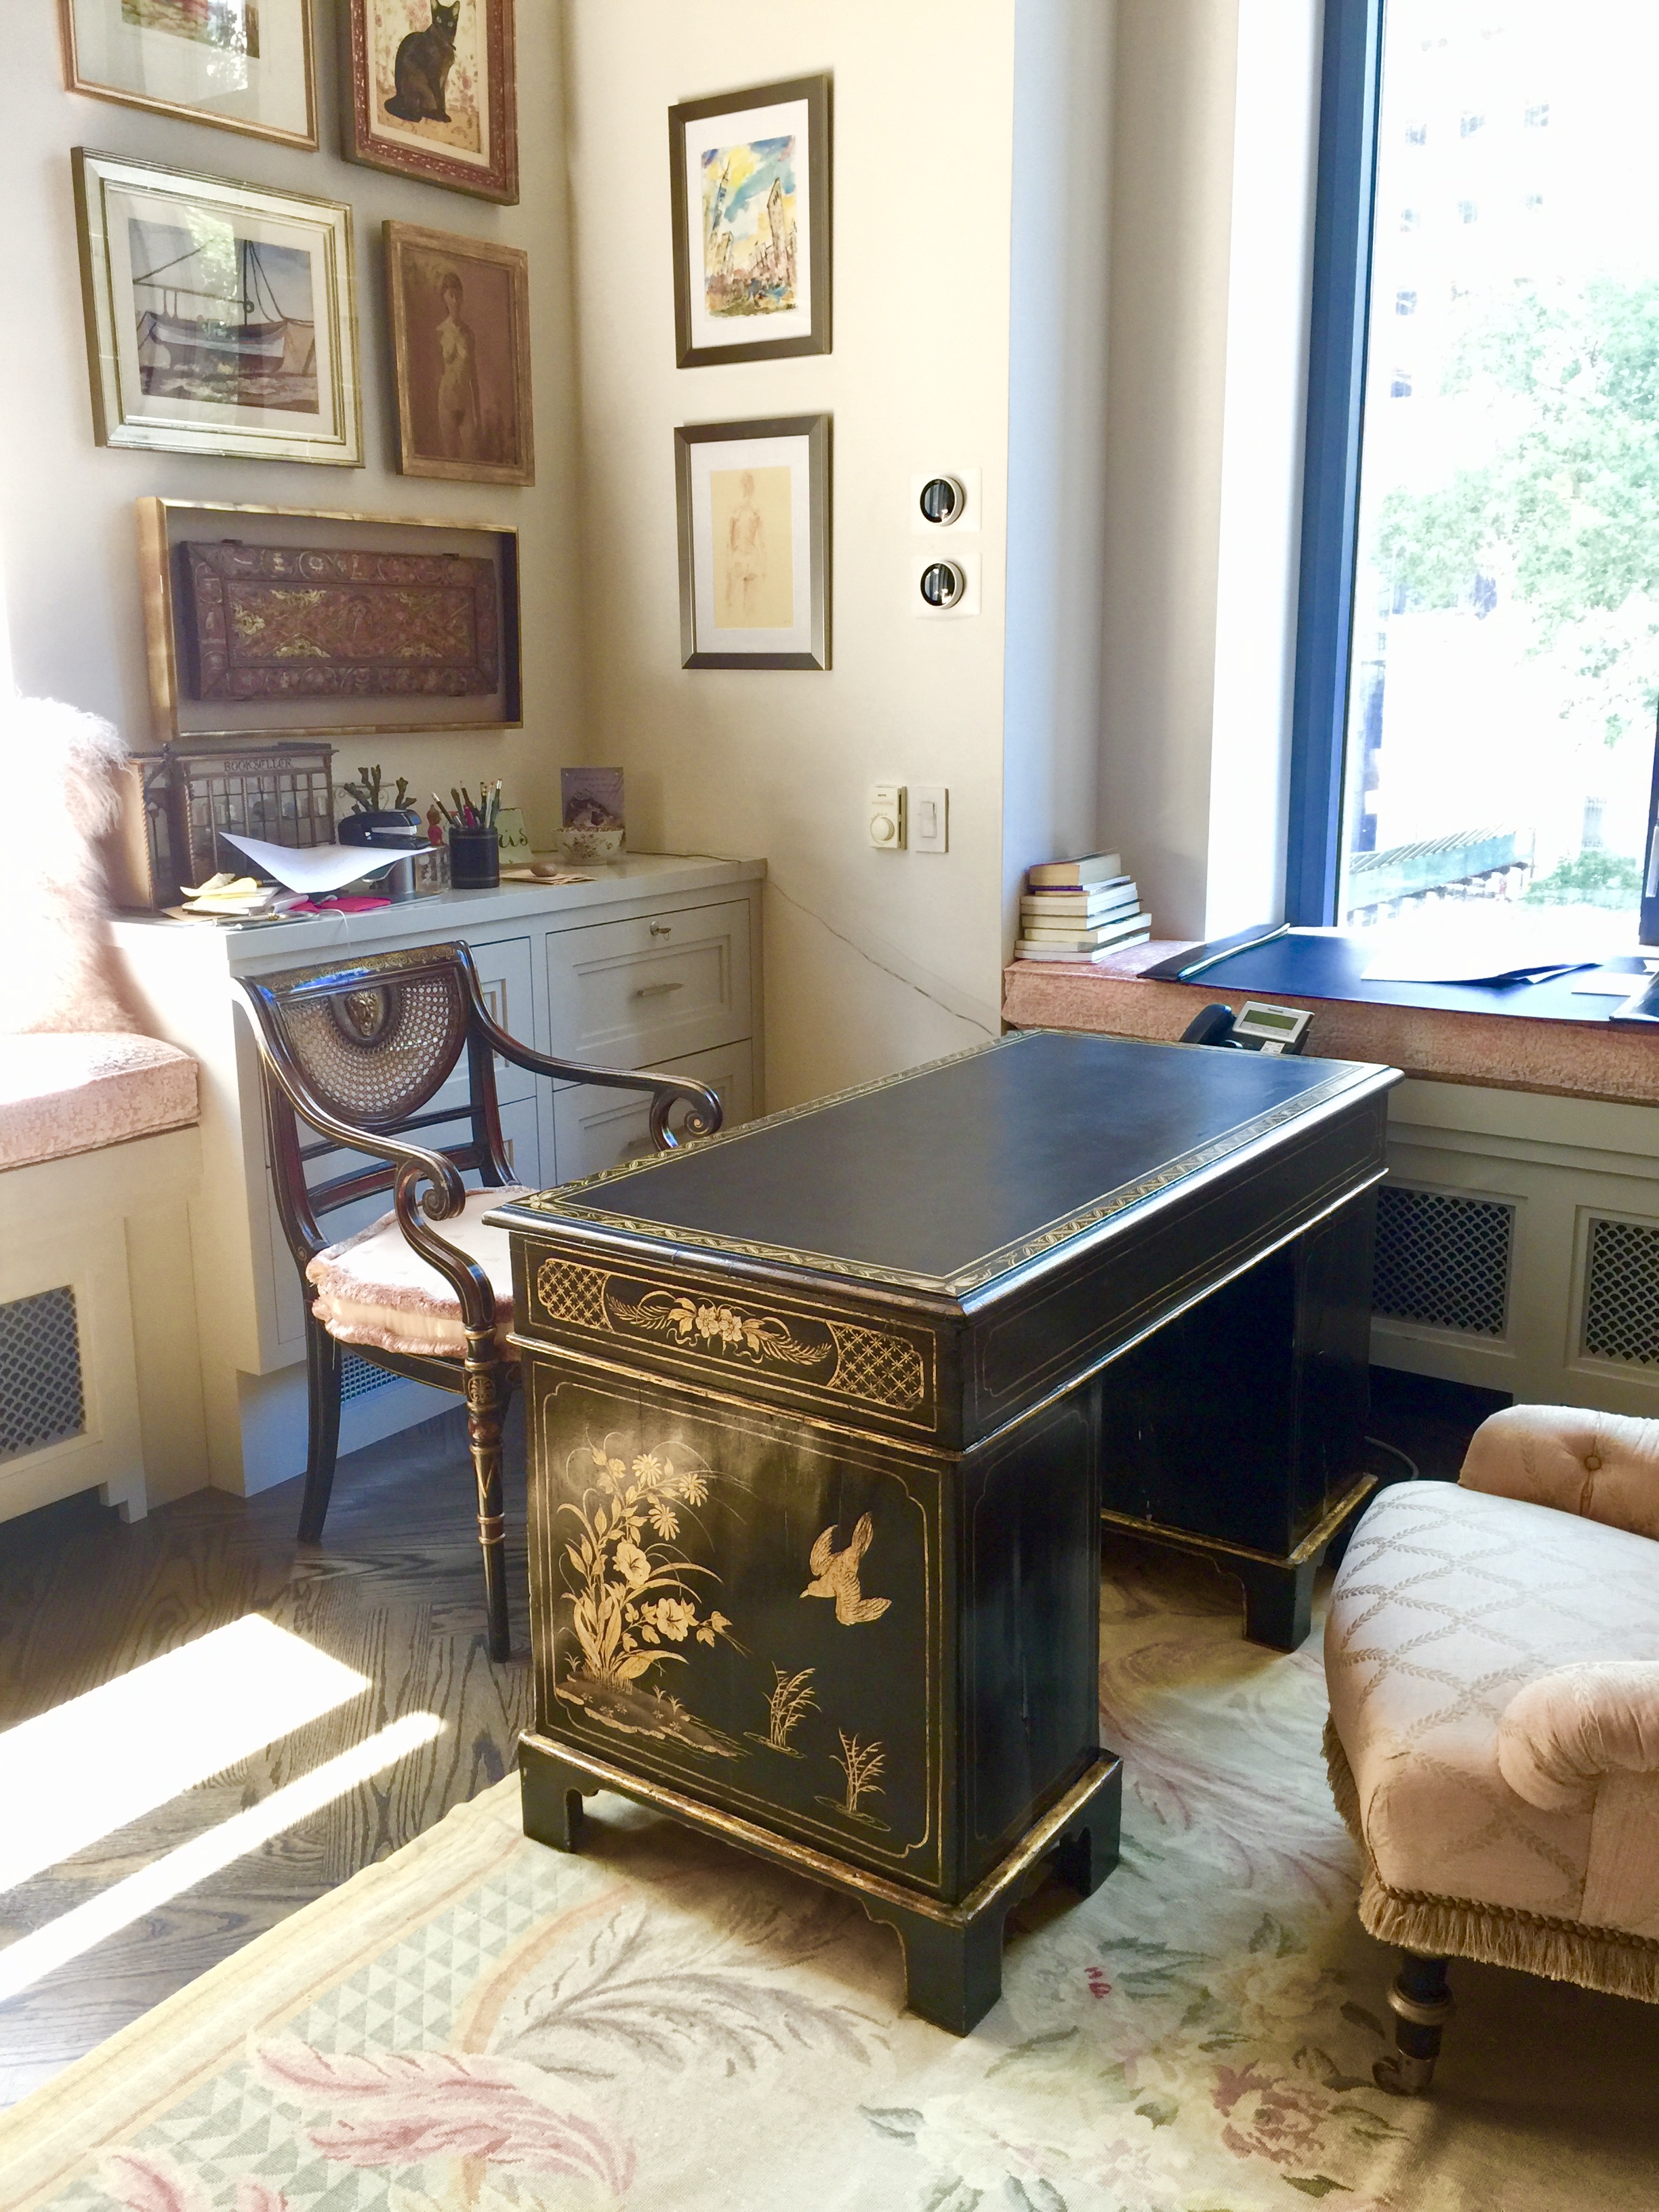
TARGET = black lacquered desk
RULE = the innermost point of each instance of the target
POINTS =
(821, 1414)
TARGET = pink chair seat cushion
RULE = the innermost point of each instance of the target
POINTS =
(1449, 1602)
(66, 1091)
(375, 1289)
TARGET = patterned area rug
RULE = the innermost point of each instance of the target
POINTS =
(480, 2025)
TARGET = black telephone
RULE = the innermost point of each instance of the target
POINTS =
(1255, 1028)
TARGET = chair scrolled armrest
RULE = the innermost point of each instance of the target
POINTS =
(1561, 1736)
(1603, 1466)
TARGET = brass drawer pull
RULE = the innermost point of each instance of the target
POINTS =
(655, 990)
(662, 929)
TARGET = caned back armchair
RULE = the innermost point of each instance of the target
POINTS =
(356, 1054)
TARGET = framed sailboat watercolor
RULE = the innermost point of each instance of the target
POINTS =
(219, 319)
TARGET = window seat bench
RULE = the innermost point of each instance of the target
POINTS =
(100, 1372)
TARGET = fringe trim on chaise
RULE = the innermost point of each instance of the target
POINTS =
(1624, 1966)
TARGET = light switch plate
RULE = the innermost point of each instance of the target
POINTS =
(884, 816)
(966, 558)
(930, 818)
(967, 521)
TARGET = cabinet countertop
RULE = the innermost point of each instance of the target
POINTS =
(641, 876)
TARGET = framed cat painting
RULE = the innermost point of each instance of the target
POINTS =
(434, 93)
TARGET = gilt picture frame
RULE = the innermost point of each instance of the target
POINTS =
(432, 92)
(753, 503)
(750, 186)
(341, 610)
(220, 318)
(459, 309)
(246, 65)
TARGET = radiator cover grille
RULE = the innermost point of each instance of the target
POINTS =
(359, 1376)
(42, 1399)
(1442, 1262)
(1621, 1292)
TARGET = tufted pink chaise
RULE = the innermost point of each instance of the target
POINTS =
(1493, 1657)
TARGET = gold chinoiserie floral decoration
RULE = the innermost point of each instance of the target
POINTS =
(860, 1763)
(760, 1337)
(629, 1591)
(791, 1698)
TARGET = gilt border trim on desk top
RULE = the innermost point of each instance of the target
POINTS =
(562, 1204)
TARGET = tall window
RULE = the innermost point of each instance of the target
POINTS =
(1488, 709)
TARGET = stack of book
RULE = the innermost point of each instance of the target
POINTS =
(1083, 909)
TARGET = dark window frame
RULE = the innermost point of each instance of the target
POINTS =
(1351, 81)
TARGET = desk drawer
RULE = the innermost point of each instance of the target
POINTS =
(636, 994)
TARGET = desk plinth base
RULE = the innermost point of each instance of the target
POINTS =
(952, 1953)
(1278, 1593)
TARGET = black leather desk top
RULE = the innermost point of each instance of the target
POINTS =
(954, 1173)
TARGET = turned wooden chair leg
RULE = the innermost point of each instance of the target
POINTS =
(323, 1437)
(489, 1388)
(1421, 2004)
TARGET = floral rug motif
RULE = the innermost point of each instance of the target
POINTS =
(482, 2025)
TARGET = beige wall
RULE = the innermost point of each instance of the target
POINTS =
(66, 506)
(874, 960)
(1216, 115)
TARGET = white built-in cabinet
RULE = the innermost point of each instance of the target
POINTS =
(653, 963)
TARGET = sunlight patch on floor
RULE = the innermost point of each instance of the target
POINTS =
(90, 1766)
(32, 1956)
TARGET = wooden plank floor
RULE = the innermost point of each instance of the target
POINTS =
(394, 1591)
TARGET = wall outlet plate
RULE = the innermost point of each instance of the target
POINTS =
(930, 818)
(885, 817)
(946, 546)
(967, 523)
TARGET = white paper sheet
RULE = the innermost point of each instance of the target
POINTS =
(310, 868)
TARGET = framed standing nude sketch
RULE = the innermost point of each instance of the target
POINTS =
(461, 343)
(219, 319)
(754, 526)
(434, 93)
(750, 177)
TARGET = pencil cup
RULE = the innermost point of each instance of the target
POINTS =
(475, 859)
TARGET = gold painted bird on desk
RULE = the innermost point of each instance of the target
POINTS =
(835, 1574)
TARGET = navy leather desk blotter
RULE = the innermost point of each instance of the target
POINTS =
(1317, 964)
(824, 1414)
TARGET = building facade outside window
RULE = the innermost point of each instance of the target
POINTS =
(1488, 707)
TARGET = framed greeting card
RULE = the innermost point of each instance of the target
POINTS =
(244, 64)
(219, 319)
(433, 91)
(754, 525)
(460, 345)
(749, 177)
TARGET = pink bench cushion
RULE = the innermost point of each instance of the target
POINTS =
(375, 1289)
(63, 1092)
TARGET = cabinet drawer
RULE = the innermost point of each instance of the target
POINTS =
(637, 993)
(595, 1128)
(504, 975)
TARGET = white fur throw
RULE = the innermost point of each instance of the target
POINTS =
(59, 972)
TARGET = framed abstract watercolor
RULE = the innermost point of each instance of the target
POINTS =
(219, 319)
(433, 92)
(460, 310)
(244, 64)
(749, 174)
(754, 530)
